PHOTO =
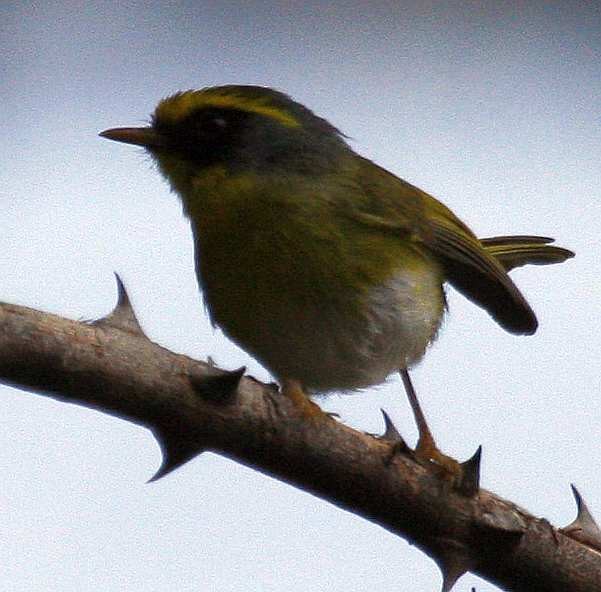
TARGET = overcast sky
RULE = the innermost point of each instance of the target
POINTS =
(496, 111)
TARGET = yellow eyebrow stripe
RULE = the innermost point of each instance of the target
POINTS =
(178, 106)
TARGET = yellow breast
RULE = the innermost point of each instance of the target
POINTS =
(305, 291)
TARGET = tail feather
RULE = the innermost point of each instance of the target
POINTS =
(514, 251)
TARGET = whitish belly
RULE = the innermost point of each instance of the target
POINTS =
(329, 346)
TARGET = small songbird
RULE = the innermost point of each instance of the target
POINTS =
(325, 267)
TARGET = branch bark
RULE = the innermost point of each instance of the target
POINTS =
(190, 406)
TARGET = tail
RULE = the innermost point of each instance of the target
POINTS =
(514, 251)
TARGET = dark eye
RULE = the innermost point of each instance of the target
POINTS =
(214, 124)
(206, 136)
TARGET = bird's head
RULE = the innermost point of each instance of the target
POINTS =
(238, 128)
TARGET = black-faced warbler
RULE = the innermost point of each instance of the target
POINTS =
(326, 268)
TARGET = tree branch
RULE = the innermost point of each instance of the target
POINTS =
(190, 406)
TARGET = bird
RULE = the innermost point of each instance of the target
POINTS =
(325, 267)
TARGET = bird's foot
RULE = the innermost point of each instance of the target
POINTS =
(307, 408)
(428, 454)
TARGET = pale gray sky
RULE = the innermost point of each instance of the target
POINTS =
(496, 111)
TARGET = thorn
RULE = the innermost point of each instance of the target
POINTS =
(392, 435)
(123, 316)
(453, 563)
(469, 483)
(176, 451)
(584, 514)
(583, 529)
(449, 580)
(219, 388)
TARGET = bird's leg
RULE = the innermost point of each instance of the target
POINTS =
(426, 449)
(293, 389)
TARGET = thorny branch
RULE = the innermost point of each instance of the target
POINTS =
(190, 406)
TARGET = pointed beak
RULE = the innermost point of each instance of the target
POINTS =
(140, 136)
